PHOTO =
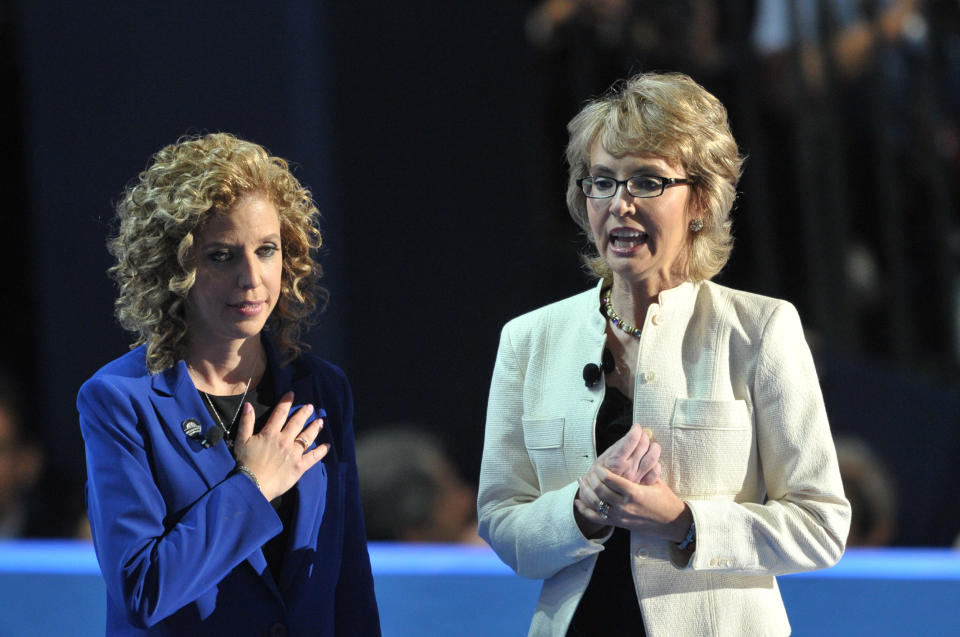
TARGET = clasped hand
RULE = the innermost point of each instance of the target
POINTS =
(280, 453)
(625, 479)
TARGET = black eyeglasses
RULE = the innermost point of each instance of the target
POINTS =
(644, 186)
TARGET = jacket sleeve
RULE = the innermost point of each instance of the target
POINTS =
(804, 521)
(533, 532)
(356, 604)
(154, 563)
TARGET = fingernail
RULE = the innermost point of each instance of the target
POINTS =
(247, 408)
(320, 420)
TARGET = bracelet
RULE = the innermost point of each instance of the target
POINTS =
(242, 468)
(691, 537)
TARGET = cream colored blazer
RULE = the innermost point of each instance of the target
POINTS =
(727, 384)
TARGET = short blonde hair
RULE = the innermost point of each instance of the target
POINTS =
(670, 116)
(159, 215)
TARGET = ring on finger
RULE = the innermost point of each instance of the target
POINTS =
(603, 509)
(303, 443)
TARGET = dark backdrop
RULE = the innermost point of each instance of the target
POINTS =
(443, 242)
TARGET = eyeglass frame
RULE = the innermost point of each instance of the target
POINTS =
(665, 182)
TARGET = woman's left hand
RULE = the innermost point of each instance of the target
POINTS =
(649, 509)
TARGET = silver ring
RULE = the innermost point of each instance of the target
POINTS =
(603, 509)
(302, 443)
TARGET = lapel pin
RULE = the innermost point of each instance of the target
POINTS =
(192, 428)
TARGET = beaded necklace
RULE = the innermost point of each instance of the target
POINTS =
(614, 318)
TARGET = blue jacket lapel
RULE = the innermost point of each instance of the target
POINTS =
(312, 486)
(176, 399)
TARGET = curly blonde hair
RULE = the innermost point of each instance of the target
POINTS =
(159, 216)
(671, 116)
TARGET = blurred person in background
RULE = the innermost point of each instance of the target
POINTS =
(861, 99)
(870, 489)
(657, 448)
(410, 489)
(21, 461)
(222, 487)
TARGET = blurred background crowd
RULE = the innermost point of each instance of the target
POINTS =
(432, 136)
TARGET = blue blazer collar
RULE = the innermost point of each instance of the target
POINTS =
(312, 488)
(177, 401)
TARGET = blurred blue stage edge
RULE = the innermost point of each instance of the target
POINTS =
(55, 588)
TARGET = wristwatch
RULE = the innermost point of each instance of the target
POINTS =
(690, 541)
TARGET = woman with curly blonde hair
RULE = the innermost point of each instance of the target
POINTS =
(215, 264)
(661, 491)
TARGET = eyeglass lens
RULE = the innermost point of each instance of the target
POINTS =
(639, 186)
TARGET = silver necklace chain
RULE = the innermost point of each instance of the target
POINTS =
(235, 414)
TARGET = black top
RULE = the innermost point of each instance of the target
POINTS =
(263, 401)
(609, 605)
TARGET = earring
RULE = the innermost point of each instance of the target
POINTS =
(696, 225)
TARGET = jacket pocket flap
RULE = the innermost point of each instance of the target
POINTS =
(710, 414)
(543, 433)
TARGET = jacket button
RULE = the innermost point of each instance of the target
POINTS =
(642, 553)
(656, 319)
(277, 630)
(713, 562)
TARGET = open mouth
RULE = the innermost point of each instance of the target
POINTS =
(625, 239)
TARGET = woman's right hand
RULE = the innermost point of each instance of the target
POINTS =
(280, 453)
(635, 457)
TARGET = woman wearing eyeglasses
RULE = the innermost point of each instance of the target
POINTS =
(656, 447)
(222, 484)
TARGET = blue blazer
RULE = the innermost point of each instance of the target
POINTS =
(178, 533)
